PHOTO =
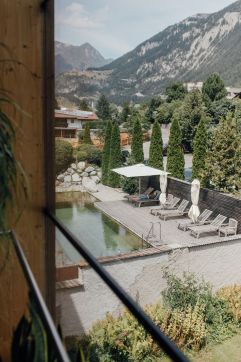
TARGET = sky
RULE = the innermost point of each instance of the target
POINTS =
(115, 27)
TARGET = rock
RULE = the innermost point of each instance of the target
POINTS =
(99, 174)
(73, 166)
(89, 169)
(95, 179)
(76, 177)
(67, 178)
(60, 177)
(89, 184)
(84, 174)
(93, 173)
(81, 165)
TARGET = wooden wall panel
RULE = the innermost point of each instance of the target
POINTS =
(23, 73)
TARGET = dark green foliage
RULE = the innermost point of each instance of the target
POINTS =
(84, 105)
(222, 167)
(106, 154)
(130, 185)
(63, 155)
(137, 153)
(165, 111)
(153, 105)
(155, 155)
(103, 108)
(115, 156)
(219, 109)
(200, 144)
(175, 91)
(86, 137)
(213, 89)
(189, 115)
(89, 153)
(125, 113)
(175, 156)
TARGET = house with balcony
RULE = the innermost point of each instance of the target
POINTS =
(68, 123)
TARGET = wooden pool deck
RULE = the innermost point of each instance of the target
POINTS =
(139, 221)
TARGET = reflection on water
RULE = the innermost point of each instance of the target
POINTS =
(101, 235)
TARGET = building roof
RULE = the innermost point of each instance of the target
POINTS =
(75, 114)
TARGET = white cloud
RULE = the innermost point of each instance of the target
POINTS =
(76, 15)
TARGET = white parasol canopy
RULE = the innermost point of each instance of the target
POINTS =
(163, 187)
(194, 210)
(139, 170)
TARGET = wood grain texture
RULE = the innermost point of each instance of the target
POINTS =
(23, 74)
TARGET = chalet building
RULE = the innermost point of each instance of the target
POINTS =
(67, 123)
(233, 92)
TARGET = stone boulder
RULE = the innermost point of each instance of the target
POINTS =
(84, 174)
(60, 178)
(93, 173)
(76, 177)
(95, 179)
(89, 169)
(67, 179)
(89, 184)
(73, 166)
(81, 165)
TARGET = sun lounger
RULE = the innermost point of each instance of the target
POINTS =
(202, 218)
(134, 198)
(213, 226)
(180, 211)
(150, 201)
(228, 229)
(169, 206)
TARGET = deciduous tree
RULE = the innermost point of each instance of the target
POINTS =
(175, 91)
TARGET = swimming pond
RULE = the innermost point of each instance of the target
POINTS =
(99, 233)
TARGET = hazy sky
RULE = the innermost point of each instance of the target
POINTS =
(116, 26)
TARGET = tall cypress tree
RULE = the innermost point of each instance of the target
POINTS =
(87, 138)
(200, 144)
(222, 167)
(137, 153)
(115, 156)
(106, 154)
(155, 155)
(175, 155)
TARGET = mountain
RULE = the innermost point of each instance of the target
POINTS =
(187, 51)
(77, 58)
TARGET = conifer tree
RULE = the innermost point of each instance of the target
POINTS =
(200, 144)
(155, 155)
(222, 167)
(137, 153)
(175, 156)
(103, 108)
(87, 138)
(106, 154)
(213, 89)
(115, 156)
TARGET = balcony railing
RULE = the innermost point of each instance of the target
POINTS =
(160, 338)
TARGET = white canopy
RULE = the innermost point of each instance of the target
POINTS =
(138, 170)
(194, 210)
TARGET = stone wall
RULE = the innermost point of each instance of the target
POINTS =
(142, 278)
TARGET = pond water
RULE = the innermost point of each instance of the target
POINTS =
(100, 234)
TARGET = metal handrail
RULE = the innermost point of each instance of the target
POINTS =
(160, 338)
(42, 308)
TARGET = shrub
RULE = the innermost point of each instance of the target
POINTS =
(130, 185)
(232, 296)
(63, 155)
(89, 153)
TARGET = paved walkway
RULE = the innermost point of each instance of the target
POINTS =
(106, 193)
(139, 220)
